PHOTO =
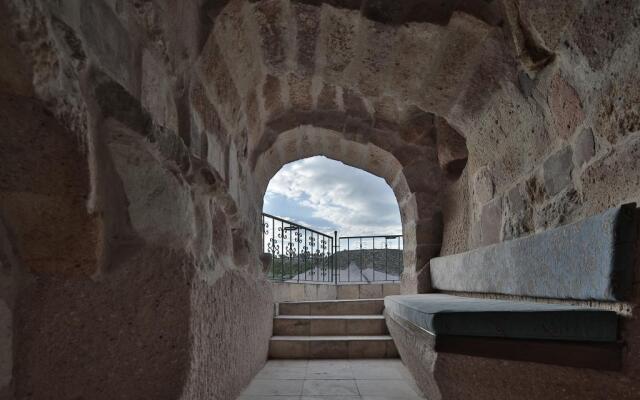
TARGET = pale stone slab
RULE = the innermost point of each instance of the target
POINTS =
(589, 259)
(275, 387)
(329, 387)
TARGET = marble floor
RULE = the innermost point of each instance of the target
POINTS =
(368, 379)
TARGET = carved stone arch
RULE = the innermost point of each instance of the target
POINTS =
(419, 206)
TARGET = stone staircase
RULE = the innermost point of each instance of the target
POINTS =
(331, 329)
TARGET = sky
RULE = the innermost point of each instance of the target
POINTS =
(328, 195)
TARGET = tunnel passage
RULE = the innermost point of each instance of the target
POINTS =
(170, 118)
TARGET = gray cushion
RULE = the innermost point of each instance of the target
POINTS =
(442, 314)
(590, 259)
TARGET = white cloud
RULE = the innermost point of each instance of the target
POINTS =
(321, 191)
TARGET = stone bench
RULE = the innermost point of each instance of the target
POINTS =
(588, 260)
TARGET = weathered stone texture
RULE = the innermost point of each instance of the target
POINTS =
(108, 41)
(584, 148)
(155, 123)
(339, 29)
(44, 185)
(236, 306)
(557, 171)
(160, 207)
(565, 106)
(601, 26)
(132, 329)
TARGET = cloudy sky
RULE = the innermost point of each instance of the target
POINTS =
(328, 195)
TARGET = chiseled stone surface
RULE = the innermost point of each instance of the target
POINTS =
(131, 126)
(590, 259)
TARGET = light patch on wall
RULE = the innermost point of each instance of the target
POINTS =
(328, 195)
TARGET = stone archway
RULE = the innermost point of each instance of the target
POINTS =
(420, 211)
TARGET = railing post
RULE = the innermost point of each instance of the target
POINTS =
(335, 256)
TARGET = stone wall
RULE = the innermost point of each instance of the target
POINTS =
(138, 139)
(125, 267)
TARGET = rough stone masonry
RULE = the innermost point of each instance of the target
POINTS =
(137, 138)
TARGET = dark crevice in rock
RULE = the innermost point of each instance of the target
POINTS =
(533, 54)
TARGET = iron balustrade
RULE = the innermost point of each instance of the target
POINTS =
(299, 253)
(370, 258)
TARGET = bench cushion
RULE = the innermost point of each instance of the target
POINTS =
(589, 259)
(442, 314)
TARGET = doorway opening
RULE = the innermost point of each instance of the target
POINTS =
(325, 221)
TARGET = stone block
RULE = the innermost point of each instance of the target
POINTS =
(367, 349)
(483, 187)
(333, 349)
(548, 20)
(156, 94)
(557, 211)
(515, 200)
(602, 27)
(589, 259)
(377, 43)
(327, 292)
(219, 84)
(327, 99)
(45, 184)
(557, 171)
(324, 308)
(340, 28)
(565, 106)
(298, 292)
(293, 309)
(300, 93)
(612, 179)
(371, 291)
(159, 205)
(273, 95)
(366, 327)
(108, 41)
(117, 103)
(291, 327)
(273, 30)
(583, 147)
(348, 291)
(491, 222)
(328, 327)
(389, 289)
(354, 105)
(307, 19)
(288, 349)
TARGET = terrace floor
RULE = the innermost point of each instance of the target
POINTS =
(333, 380)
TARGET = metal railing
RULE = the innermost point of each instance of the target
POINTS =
(370, 258)
(299, 253)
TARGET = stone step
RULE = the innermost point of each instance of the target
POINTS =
(336, 347)
(332, 307)
(329, 325)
